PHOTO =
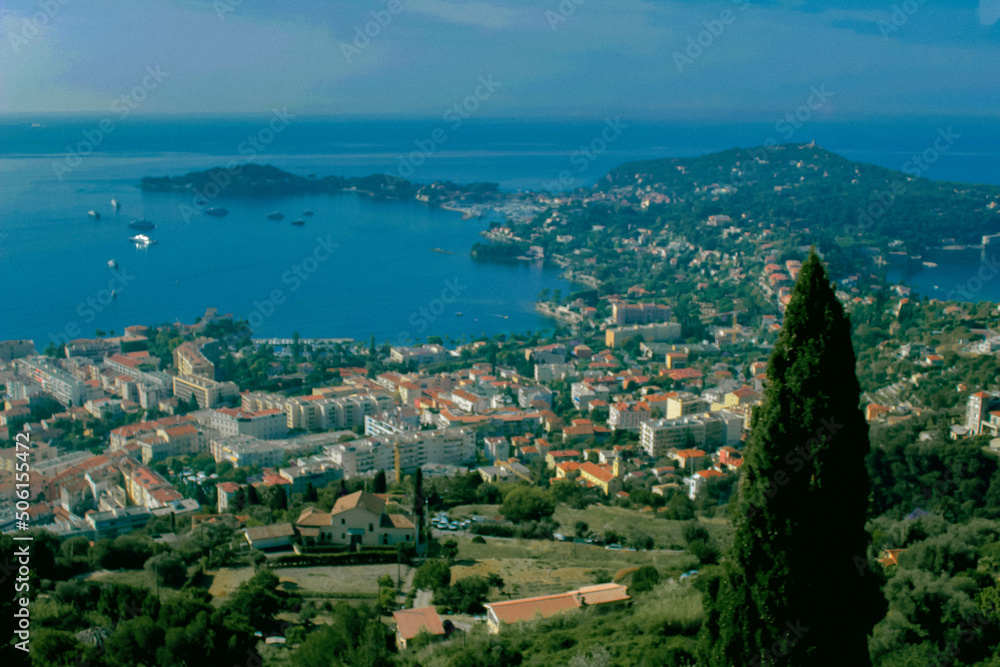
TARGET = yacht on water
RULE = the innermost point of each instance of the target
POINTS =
(275, 216)
(94, 214)
(217, 212)
(307, 212)
(141, 223)
(115, 205)
(112, 264)
(141, 241)
(298, 222)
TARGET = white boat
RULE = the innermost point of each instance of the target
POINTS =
(115, 205)
(141, 241)
(112, 264)
(94, 214)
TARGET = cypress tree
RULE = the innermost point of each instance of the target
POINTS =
(797, 588)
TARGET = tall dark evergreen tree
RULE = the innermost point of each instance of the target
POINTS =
(379, 483)
(797, 589)
(418, 502)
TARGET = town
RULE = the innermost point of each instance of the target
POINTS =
(454, 488)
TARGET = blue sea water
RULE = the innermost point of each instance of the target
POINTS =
(382, 277)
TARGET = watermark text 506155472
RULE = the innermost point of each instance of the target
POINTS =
(22, 552)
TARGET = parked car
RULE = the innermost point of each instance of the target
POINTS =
(453, 526)
(614, 547)
(689, 574)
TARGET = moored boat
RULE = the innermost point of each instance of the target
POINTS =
(141, 241)
(141, 223)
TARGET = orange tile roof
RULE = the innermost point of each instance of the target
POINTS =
(410, 622)
(526, 609)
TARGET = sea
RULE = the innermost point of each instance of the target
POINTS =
(399, 271)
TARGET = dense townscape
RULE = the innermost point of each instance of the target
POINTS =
(573, 496)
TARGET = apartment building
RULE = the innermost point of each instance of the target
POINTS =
(714, 429)
(639, 313)
(651, 333)
(684, 404)
(55, 381)
(121, 521)
(628, 417)
(167, 442)
(146, 487)
(317, 473)
(405, 452)
(421, 356)
(208, 393)
(199, 357)
(266, 424)
(243, 450)
(15, 349)
(978, 417)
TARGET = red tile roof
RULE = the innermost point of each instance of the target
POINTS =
(410, 622)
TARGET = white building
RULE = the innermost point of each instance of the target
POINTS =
(714, 429)
(263, 424)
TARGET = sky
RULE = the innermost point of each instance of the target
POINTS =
(732, 60)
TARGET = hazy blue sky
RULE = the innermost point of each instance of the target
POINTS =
(551, 58)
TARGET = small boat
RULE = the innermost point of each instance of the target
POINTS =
(458, 313)
(298, 223)
(141, 241)
(217, 212)
(115, 205)
(141, 223)
(307, 212)
(94, 214)
(112, 264)
(114, 294)
(442, 251)
(275, 216)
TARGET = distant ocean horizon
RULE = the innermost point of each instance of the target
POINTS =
(379, 274)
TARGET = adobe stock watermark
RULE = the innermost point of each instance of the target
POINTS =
(455, 115)
(786, 126)
(250, 148)
(989, 12)
(223, 7)
(585, 155)
(565, 9)
(423, 317)
(30, 27)
(782, 645)
(714, 28)
(797, 459)
(364, 34)
(122, 107)
(988, 269)
(916, 166)
(294, 277)
(88, 309)
(899, 17)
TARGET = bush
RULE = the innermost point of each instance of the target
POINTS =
(645, 579)
(528, 503)
(169, 569)
(367, 557)
(432, 576)
(478, 539)
(493, 530)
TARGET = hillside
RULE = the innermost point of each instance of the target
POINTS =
(810, 187)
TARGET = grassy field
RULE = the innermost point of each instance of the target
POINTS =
(346, 582)
(541, 567)
(666, 533)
